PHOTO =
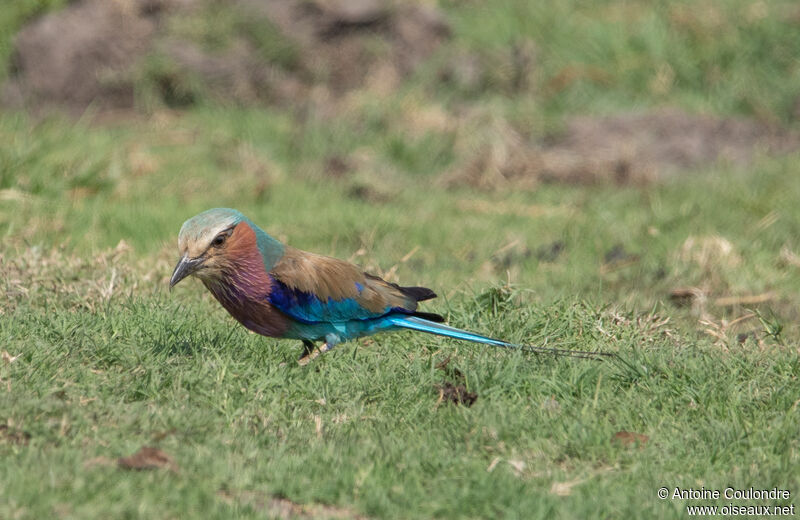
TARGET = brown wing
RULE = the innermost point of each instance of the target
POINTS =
(330, 278)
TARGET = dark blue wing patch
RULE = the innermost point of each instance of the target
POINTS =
(308, 308)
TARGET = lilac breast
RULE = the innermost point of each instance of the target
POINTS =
(246, 299)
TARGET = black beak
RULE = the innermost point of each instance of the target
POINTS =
(185, 267)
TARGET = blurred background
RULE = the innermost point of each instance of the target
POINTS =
(634, 152)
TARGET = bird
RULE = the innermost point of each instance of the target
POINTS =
(279, 291)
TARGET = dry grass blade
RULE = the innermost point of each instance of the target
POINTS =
(390, 274)
(564, 489)
(8, 358)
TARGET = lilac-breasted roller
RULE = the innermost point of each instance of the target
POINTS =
(282, 292)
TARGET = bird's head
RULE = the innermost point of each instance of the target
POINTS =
(203, 244)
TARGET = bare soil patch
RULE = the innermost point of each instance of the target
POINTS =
(99, 52)
(628, 148)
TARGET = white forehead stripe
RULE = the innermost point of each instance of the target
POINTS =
(201, 229)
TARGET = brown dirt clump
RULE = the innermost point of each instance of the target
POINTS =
(628, 148)
(456, 394)
(626, 438)
(148, 457)
(96, 52)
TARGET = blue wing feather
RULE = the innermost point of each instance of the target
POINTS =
(306, 307)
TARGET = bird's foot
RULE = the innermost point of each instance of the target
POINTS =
(306, 358)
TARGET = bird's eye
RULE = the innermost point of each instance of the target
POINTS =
(219, 240)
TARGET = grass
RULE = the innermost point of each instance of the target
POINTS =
(102, 359)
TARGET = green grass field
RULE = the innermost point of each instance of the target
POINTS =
(100, 359)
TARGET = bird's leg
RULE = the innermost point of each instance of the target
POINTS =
(330, 342)
(308, 348)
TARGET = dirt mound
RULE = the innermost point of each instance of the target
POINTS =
(81, 55)
(344, 41)
(103, 52)
(626, 148)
